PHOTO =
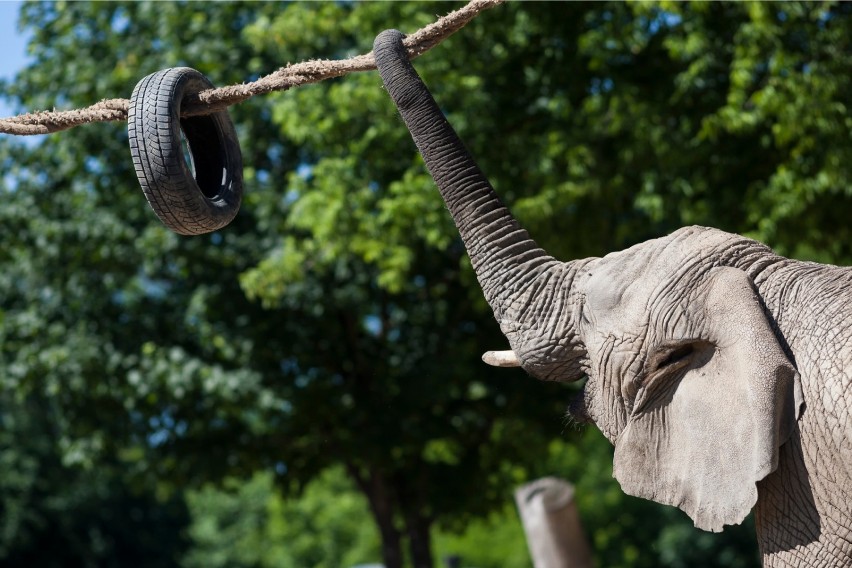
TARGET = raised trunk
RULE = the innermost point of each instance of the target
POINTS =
(530, 292)
(501, 251)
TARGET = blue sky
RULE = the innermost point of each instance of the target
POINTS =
(12, 45)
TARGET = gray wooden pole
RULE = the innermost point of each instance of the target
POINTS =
(552, 525)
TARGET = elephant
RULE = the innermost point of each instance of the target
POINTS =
(719, 370)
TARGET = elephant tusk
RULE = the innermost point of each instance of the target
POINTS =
(501, 358)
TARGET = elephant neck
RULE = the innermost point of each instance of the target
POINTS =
(803, 517)
(804, 509)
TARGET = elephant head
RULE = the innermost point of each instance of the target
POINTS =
(682, 357)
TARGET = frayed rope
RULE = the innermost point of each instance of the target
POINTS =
(213, 100)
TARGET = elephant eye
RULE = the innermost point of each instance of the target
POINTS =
(676, 355)
(665, 366)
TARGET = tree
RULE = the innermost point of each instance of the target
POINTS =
(57, 513)
(337, 321)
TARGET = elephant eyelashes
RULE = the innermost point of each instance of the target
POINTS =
(673, 357)
(667, 362)
(679, 354)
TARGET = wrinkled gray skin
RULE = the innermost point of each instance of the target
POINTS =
(719, 370)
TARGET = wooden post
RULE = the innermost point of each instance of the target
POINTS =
(554, 533)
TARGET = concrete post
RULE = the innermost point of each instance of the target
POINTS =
(554, 533)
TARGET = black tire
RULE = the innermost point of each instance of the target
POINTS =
(189, 198)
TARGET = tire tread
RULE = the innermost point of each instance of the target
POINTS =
(155, 148)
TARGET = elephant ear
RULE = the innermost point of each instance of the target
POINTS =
(711, 411)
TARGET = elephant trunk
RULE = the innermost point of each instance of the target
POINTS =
(526, 287)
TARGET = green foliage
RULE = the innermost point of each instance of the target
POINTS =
(337, 321)
(57, 514)
(249, 524)
(495, 541)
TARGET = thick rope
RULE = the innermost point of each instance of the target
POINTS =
(213, 100)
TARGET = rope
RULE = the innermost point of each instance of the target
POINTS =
(213, 100)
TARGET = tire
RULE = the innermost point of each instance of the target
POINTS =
(189, 198)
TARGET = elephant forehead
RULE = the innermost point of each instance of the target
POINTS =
(625, 280)
(633, 280)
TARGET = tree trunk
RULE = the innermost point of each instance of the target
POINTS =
(375, 487)
(391, 546)
(419, 541)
